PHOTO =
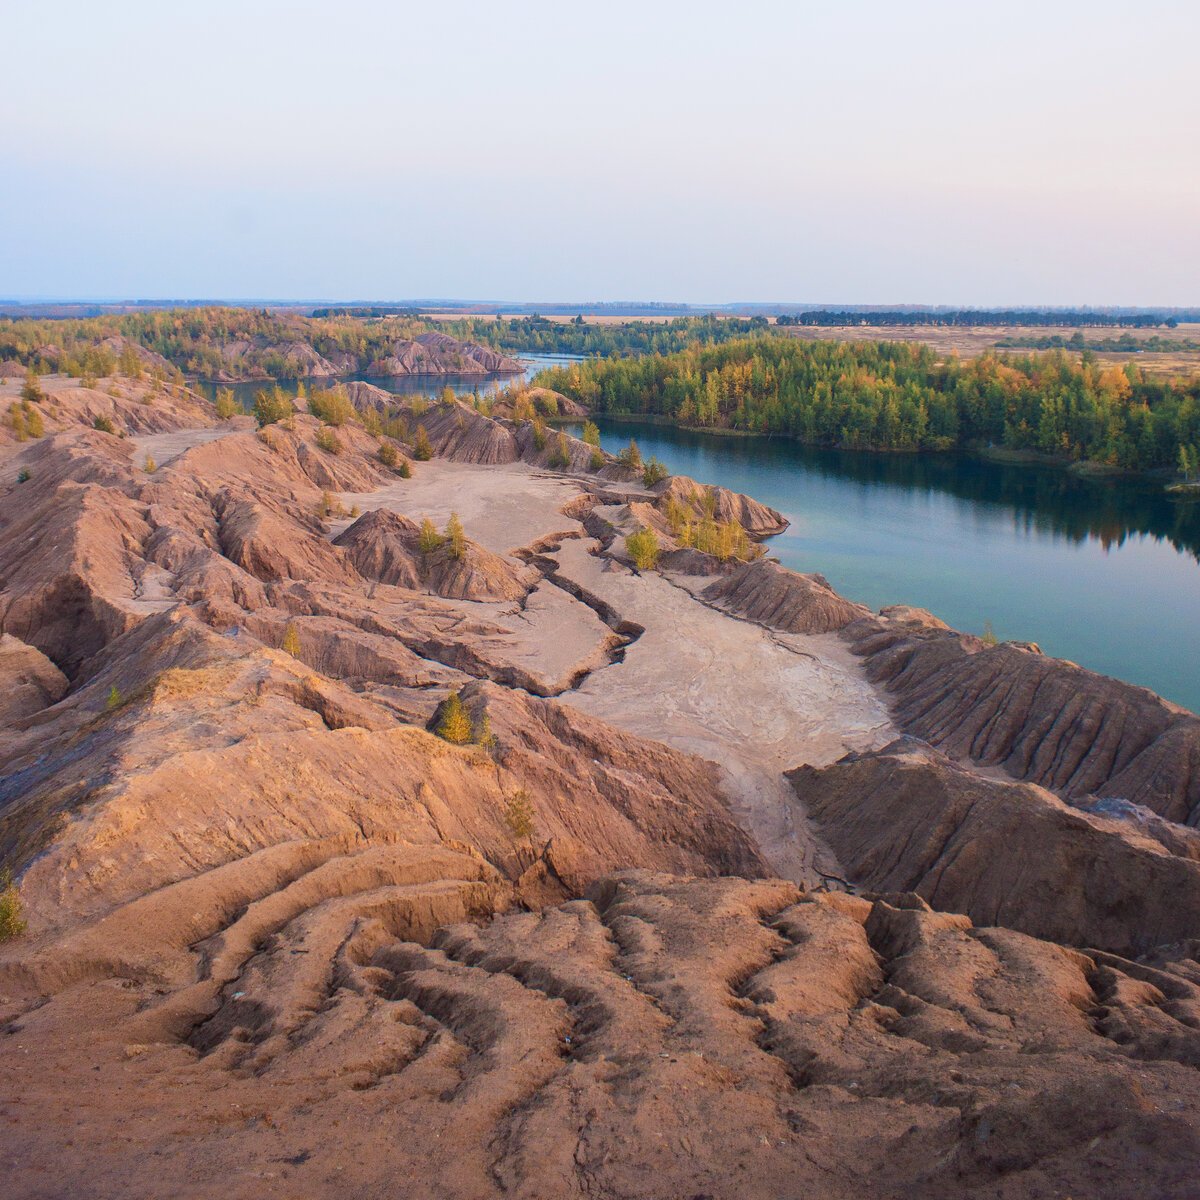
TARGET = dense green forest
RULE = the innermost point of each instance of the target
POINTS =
(538, 335)
(899, 396)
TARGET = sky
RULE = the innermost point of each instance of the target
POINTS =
(852, 151)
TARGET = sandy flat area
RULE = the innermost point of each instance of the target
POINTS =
(165, 447)
(753, 701)
(501, 507)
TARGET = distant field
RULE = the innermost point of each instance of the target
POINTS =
(556, 318)
(965, 341)
(968, 342)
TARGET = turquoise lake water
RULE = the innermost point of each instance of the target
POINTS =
(1105, 573)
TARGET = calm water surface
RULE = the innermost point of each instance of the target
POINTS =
(1104, 573)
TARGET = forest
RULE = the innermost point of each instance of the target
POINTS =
(979, 316)
(538, 335)
(900, 396)
(217, 342)
(212, 342)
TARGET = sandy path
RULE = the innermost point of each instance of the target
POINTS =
(164, 447)
(754, 701)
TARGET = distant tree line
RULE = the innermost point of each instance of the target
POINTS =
(538, 335)
(977, 316)
(900, 396)
(1125, 343)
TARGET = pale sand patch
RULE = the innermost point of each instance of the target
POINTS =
(165, 447)
(502, 507)
(754, 701)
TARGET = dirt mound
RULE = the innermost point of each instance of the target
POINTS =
(456, 431)
(29, 681)
(122, 406)
(1041, 719)
(769, 593)
(721, 504)
(718, 1037)
(905, 819)
(384, 546)
(440, 354)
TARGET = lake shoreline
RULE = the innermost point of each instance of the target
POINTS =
(1085, 468)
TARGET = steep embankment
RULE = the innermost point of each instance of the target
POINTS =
(266, 901)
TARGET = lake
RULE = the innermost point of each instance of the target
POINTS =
(1105, 573)
(400, 385)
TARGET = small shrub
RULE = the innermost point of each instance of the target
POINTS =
(226, 405)
(33, 420)
(481, 732)
(291, 641)
(332, 406)
(455, 724)
(18, 423)
(591, 433)
(455, 537)
(330, 506)
(31, 390)
(104, 424)
(114, 699)
(654, 472)
(539, 435)
(271, 406)
(447, 396)
(643, 548)
(23, 475)
(522, 408)
(596, 462)
(521, 818)
(149, 466)
(388, 454)
(560, 456)
(356, 512)
(989, 635)
(631, 456)
(404, 470)
(12, 920)
(422, 449)
(327, 440)
(428, 540)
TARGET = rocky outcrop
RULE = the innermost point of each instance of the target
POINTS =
(721, 504)
(1041, 719)
(907, 819)
(130, 407)
(456, 431)
(720, 1037)
(29, 681)
(265, 545)
(439, 354)
(555, 404)
(769, 593)
(148, 359)
(384, 546)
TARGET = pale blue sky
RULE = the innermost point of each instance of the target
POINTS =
(850, 151)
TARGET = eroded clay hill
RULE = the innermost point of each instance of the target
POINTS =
(284, 939)
(366, 1029)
